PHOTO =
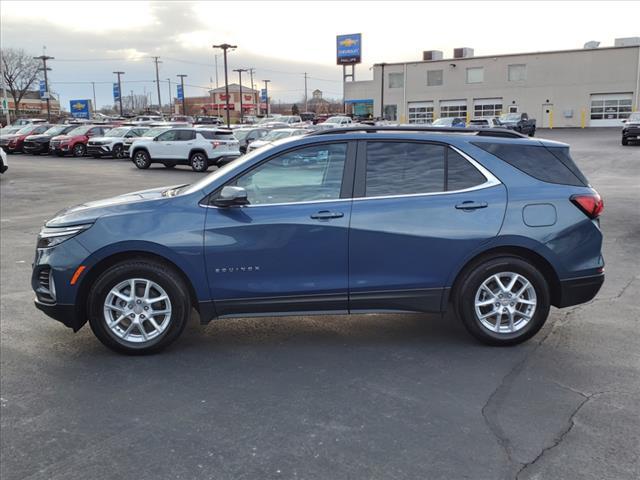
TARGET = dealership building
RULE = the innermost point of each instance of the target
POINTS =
(588, 87)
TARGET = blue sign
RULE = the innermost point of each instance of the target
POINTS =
(349, 49)
(180, 92)
(263, 95)
(116, 92)
(79, 108)
(43, 89)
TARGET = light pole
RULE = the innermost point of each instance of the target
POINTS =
(119, 90)
(266, 95)
(170, 109)
(225, 47)
(240, 70)
(381, 91)
(45, 69)
(184, 107)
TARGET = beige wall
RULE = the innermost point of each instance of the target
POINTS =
(564, 79)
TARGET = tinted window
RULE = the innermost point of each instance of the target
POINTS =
(302, 175)
(216, 135)
(184, 135)
(402, 168)
(539, 162)
(460, 173)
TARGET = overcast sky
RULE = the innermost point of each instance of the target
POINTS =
(281, 40)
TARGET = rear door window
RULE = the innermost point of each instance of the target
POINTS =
(552, 165)
(185, 135)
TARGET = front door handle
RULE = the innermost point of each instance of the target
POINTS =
(326, 215)
(471, 205)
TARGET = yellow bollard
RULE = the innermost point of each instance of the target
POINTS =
(550, 119)
(583, 118)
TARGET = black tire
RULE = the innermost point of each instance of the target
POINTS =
(141, 159)
(472, 279)
(625, 141)
(169, 165)
(199, 162)
(118, 151)
(532, 133)
(157, 272)
(79, 150)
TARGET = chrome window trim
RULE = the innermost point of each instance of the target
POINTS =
(491, 181)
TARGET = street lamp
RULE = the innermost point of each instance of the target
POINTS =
(120, 91)
(182, 75)
(225, 47)
(266, 95)
(240, 70)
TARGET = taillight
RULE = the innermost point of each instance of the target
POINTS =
(591, 204)
(216, 144)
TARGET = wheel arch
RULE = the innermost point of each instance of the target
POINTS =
(137, 149)
(198, 150)
(537, 260)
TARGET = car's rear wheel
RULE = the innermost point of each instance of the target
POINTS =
(79, 150)
(138, 307)
(503, 300)
(199, 162)
(141, 159)
(532, 132)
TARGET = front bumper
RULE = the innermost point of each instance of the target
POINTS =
(99, 150)
(66, 314)
(59, 149)
(579, 290)
(631, 133)
(35, 148)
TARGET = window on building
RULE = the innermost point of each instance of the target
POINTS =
(611, 109)
(396, 80)
(475, 75)
(450, 109)
(420, 112)
(517, 72)
(487, 108)
(434, 78)
(390, 112)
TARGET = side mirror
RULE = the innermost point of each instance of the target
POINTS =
(230, 196)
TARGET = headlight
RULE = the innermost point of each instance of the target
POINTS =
(52, 236)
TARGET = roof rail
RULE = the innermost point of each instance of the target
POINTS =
(481, 132)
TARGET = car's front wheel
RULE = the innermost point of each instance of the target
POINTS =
(199, 162)
(138, 307)
(503, 300)
(141, 159)
(625, 141)
(118, 151)
(79, 150)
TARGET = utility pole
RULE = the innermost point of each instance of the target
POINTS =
(225, 47)
(155, 59)
(45, 69)
(215, 59)
(184, 107)
(119, 90)
(170, 109)
(253, 87)
(93, 85)
(266, 95)
(240, 70)
(306, 103)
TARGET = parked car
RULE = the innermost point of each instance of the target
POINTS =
(247, 135)
(182, 118)
(39, 144)
(485, 122)
(111, 144)
(520, 122)
(75, 141)
(206, 120)
(631, 129)
(21, 122)
(277, 134)
(450, 122)
(147, 119)
(13, 143)
(338, 121)
(198, 147)
(484, 233)
(308, 117)
(150, 133)
(281, 121)
(4, 163)
(9, 130)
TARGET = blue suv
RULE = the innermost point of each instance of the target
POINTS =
(358, 220)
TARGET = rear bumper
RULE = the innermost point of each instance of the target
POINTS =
(579, 290)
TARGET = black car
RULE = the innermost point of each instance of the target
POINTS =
(38, 144)
(631, 129)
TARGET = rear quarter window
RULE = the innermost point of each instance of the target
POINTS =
(547, 164)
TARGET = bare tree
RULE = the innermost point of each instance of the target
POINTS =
(19, 72)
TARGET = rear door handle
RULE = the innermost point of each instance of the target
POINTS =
(471, 205)
(326, 214)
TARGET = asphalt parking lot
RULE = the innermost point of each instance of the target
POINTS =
(361, 397)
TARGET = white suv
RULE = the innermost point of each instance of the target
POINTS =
(111, 144)
(198, 147)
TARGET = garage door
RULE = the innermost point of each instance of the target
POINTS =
(420, 112)
(610, 109)
(487, 107)
(453, 108)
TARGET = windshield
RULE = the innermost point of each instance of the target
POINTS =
(152, 132)
(79, 131)
(634, 117)
(333, 120)
(117, 132)
(509, 117)
(9, 130)
(276, 135)
(27, 129)
(443, 122)
(241, 134)
(57, 130)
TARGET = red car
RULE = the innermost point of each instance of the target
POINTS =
(13, 143)
(75, 142)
